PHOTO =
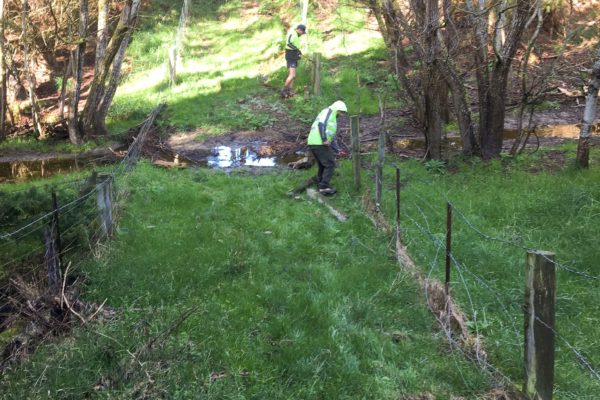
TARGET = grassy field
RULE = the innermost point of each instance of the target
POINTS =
(285, 301)
(288, 303)
(501, 209)
(232, 67)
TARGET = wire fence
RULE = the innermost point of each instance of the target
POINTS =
(491, 297)
(84, 219)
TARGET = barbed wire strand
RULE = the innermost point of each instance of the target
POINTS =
(60, 209)
(577, 353)
(472, 226)
(434, 240)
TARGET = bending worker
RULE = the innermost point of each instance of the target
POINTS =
(292, 56)
(321, 141)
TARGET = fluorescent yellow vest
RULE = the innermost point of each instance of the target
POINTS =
(328, 118)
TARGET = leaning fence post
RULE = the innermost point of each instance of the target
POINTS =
(354, 128)
(398, 197)
(53, 249)
(172, 66)
(104, 201)
(317, 74)
(540, 298)
(381, 161)
(448, 245)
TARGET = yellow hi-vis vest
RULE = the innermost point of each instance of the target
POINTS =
(324, 128)
(292, 40)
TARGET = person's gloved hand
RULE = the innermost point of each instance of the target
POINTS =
(343, 154)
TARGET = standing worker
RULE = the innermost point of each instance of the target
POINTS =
(292, 55)
(322, 143)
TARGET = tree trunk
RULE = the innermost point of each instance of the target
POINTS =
(89, 117)
(462, 109)
(495, 111)
(3, 91)
(63, 87)
(111, 89)
(433, 117)
(432, 81)
(589, 115)
(102, 32)
(492, 86)
(37, 126)
(75, 134)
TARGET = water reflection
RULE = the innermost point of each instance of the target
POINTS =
(232, 157)
(19, 171)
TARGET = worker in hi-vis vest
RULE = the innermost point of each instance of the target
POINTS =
(322, 143)
(292, 56)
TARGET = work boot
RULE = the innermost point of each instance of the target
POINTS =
(286, 92)
(328, 191)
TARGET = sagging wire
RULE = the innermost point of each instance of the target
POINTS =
(577, 353)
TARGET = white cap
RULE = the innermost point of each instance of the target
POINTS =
(339, 106)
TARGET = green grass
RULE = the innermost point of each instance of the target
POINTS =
(290, 303)
(226, 57)
(553, 210)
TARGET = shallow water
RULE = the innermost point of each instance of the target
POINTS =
(20, 171)
(244, 156)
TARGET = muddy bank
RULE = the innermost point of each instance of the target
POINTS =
(283, 143)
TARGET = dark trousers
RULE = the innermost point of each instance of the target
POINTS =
(326, 162)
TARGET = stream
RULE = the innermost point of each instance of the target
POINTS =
(221, 157)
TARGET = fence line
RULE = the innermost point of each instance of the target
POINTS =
(437, 243)
(82, 219)
(473, 227)
(440, 243)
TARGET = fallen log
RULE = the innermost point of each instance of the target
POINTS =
(314, 195)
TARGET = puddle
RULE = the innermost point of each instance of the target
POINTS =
(557, 131)
(245, 156)
(418, 143)
(20, 171)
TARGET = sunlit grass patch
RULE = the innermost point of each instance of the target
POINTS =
(229, 54)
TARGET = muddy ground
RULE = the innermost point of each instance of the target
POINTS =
(288, 137)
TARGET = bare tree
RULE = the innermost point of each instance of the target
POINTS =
(589, 115)
(437, 51)
(492, 67)
(3, 91)
(78, 57)
(417, 68)
(102, 32)
(37, 126)
(94, 113)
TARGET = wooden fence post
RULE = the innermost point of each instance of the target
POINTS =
(398, 197)
(317, 74)
(355, 129)
(53, 249)
(172, 66)
(105, 201)
(540, 297)
(380, 163)
(448, 245)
